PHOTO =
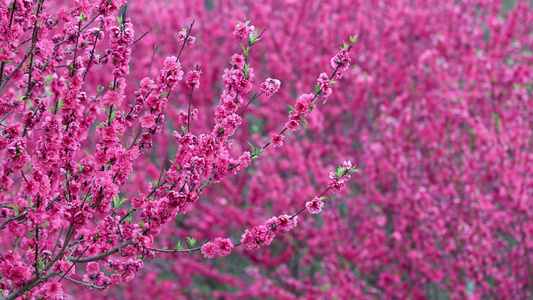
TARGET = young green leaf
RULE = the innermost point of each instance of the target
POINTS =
(252, 146)
(291, 109)
(191, 241)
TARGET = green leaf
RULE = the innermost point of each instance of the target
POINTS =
(252, 146)
(191, 241)
(340, 171)
(291, 109)
(345, 45)
(16, 208)
(113, 114)
(245, 50)
(254, 40)
(163, 95)
(178, 246)
(141, 223)
(100, 89)
(317, 89)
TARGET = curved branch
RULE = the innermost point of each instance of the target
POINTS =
(103, 255)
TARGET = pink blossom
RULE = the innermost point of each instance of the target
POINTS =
(286, 224)
(245, 159)
(325, 86)
(248, 240)
(190, 41)
(238, 61)
(182, 35)
(243, 30)
(193, 78)
(31, 187)
(209, 250)
(314, 206)
(16, 229)
(292, 125)
(92, 267)
(277, 140)
(341, 62)
(137, 202)
(147, 121)
(270, 86)
(53, 289)
(223, 246)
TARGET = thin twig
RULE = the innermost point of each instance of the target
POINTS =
(152, 61)
(140, 38)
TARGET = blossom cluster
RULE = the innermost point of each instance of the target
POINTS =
(220, 247)
(264, 234)
(437, 115)
(80, 123)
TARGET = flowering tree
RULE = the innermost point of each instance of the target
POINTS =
(435, 108)
(65, 200)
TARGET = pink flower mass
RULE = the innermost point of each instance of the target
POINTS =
(121, 176)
